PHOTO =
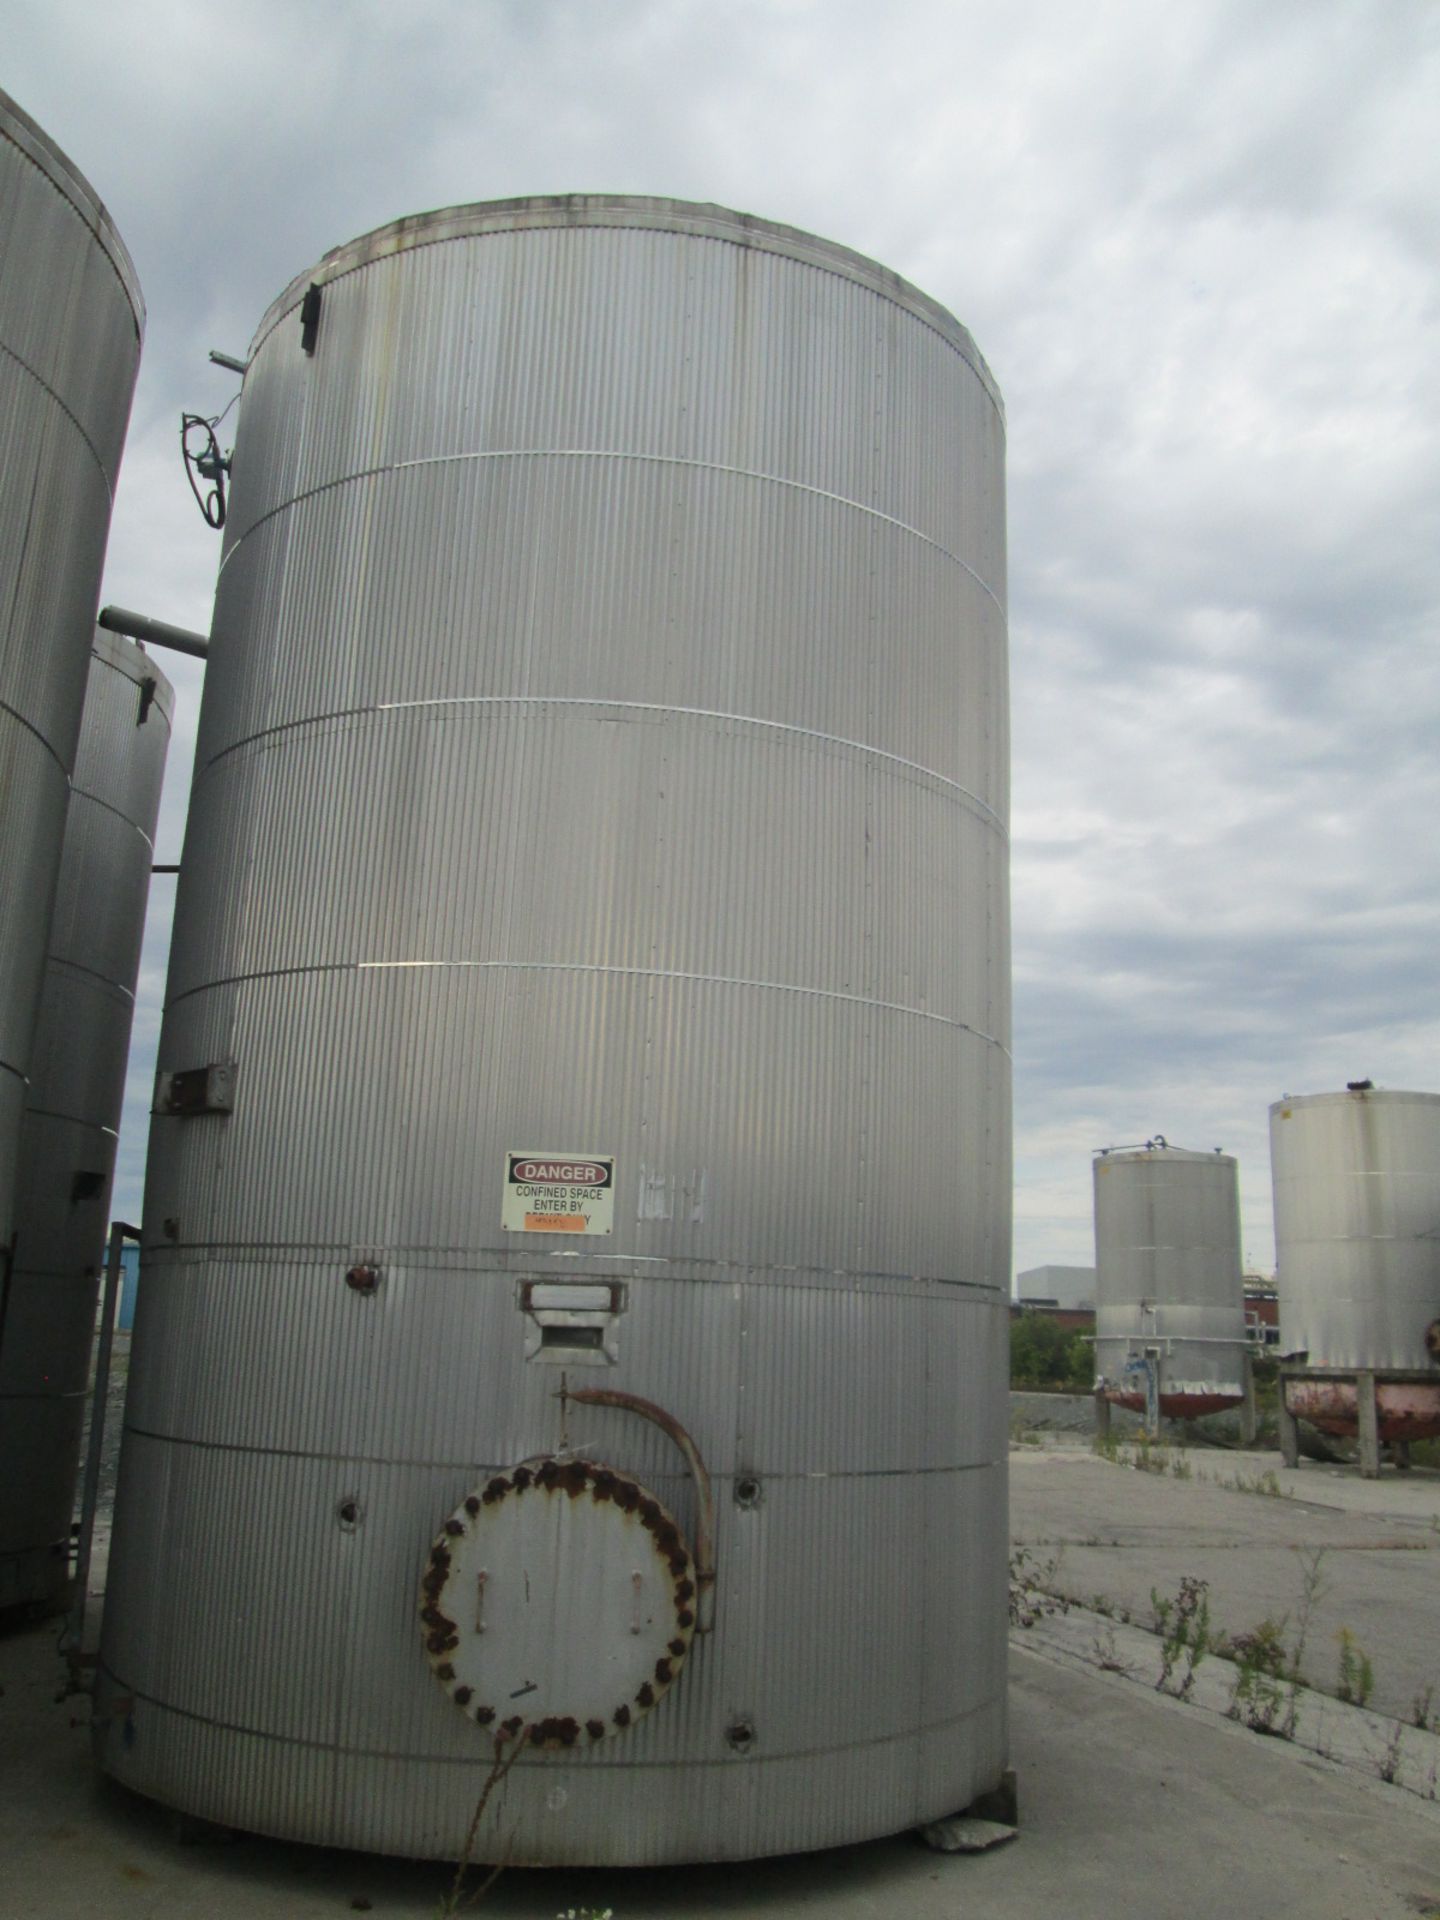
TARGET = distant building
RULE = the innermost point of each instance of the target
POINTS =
(1068, 1288)
(1262, 1310)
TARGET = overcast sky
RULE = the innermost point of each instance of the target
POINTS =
(1198, 246)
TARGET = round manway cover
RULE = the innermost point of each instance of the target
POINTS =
(559, 1601)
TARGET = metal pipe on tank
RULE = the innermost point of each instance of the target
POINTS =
(120, 1232)
(154, 633)
(72, 1115)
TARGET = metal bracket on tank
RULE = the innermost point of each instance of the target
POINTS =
(309, 318)
(192, 1090)
(572, 1322)
(704, 1494)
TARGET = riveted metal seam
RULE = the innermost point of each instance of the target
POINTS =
(251, 1449)
(622, 706)
(605, 453)
(29, 726)
(573, 966)
(53, 397)
(477, 1260)
(466, 1760)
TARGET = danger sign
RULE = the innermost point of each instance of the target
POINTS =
(558, 1193)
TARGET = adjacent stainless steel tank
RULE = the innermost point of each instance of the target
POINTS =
(77, 1089)
(1169, 1281)
(590, 969)
(1357, 1238)
(70, 325)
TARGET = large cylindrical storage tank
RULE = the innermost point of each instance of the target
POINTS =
(72, 1116)
(590, 969)
(1169, 1286)
(70, 325)
(1356, 1178)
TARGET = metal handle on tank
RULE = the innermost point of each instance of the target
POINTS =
(705, 1510)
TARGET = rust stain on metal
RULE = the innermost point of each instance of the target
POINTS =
(555, 1732)
(572, 1478)
(1404, 1409)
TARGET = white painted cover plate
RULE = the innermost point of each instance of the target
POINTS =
(558, 1602)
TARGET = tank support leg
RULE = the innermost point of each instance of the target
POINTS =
(1248, 1421)
(1368, 1426)
(1102, 1419)
(986, 1822)
(1289, 1431)
(1400, 1454)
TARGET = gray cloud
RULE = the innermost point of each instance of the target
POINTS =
(1197, 248)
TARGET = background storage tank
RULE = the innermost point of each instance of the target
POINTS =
(70, 326)
(1169, 1280)
(1357, 1239)
(590, 969)
(77, 1089)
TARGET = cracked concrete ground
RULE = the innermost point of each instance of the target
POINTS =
(1127, 1797)
(1115, 1533)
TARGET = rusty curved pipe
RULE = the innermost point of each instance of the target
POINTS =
(705, 1498)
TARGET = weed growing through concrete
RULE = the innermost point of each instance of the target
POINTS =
(1267, 1484)
(1145, 1456)
(1259, 1694)
(1389, 1763)
(1266, 1695)
(1030, 1581)
(1357, 1677)
(1421, 1715)
(1150, 1456)
(1106, 1608)
(1183, 1625)
(1107, 1656)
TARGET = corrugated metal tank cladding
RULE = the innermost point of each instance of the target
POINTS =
(1169, 1276)
(70, 325)
(604, 755)
(77, 1089)
(1356, 1178)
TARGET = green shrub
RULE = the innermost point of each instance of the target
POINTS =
(1045, 1354)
